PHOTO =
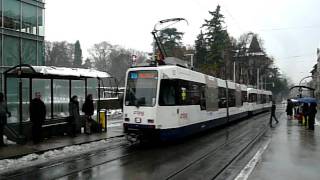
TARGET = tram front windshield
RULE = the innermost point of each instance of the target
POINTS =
(141, 89)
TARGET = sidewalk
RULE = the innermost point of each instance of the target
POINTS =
(14, 150)
(293, 153)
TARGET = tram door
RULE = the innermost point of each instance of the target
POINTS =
(211, 94)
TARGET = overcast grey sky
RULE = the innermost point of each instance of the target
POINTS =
(290, 28)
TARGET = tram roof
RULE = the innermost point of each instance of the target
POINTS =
(30, 71)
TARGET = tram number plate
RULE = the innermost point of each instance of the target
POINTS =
(137, 120)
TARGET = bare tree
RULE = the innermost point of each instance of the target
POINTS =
(59, 53)
(100, 55)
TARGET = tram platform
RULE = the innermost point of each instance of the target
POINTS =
(14, 150)
(293, 152)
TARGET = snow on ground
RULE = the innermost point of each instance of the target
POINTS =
(36, 159)
(7, 141)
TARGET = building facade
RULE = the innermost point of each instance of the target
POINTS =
(21, 33)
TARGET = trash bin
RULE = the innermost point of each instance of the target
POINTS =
(103, 119)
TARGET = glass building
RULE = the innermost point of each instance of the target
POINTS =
(22, 33)
(22, 41)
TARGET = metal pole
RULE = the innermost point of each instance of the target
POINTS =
(85, 87)
(191, 59)
(51, 89)
(70, 86)
(258, 78)
(20, 87)
(234, 71)
(98, 103)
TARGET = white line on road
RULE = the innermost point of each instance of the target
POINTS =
(247, 170)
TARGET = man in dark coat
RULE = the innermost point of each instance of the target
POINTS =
(289, 109)
(37, 117)
(88, 110)
(74, 116)
(273, 113)
(305, 112)
(312, 115)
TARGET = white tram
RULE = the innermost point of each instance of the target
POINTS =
(170, 102)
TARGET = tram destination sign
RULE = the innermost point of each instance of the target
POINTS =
(143, 74)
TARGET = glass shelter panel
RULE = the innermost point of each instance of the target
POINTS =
(60, 98)
(25, 99)
(78, 89)
(13, 99)
(92, 87)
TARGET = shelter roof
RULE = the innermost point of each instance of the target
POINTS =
(55, 72)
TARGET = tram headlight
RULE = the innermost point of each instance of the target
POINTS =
(126, 119)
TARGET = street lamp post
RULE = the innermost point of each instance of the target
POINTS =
(191, 60)
(300, 89)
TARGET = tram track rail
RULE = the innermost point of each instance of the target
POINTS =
(108, 157)
(13, 174)
(213, 152)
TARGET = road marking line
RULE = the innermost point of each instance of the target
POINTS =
(247, 170)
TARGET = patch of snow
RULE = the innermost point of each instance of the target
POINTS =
(34, 159)
(7, 141)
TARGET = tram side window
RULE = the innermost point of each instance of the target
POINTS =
(232, 97)
(167, 93)
(194, 94)
(243, 97)
(252, 97)
(264, 98)
(270, 98)
(179, 92)
(259, 100)
(222, 95)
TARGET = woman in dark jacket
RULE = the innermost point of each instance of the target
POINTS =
(289, 109)
(312, 115)
(88, 110)
(305, 112)
(74, 116)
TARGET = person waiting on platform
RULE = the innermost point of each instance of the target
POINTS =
(74, 116)
(273, 113)
(289, 109)
(3, 117)
(305, 113)
(88, 109)
(312, 115)
(37, 116)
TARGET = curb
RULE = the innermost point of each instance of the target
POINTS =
(57, 148)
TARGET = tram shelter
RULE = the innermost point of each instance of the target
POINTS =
(22, 81)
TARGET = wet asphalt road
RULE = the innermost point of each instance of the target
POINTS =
(202, 156)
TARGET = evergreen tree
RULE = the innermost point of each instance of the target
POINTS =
(87, 64)
(171, 41)
(201, 51)
(217, 40)
(77, 55)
